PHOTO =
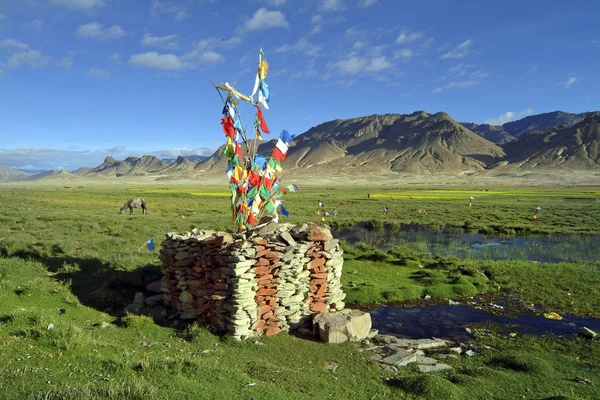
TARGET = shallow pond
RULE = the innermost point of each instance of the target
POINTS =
(453, 243)
(451, 322)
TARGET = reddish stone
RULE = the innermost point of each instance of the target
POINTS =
(261, 241)
(263, 310)
(261, 253)
(321, 291)
(268, 315)
(319, 276)
(271, 302)
(319, 233)
(318, 307)
(261, 270)
(265, 277)
(259, 324)
(220, 286)
(273, 255)
(263, 261)
(266, 292)
(272, 331)
(318, 281)
(260, 299)
(317, 262)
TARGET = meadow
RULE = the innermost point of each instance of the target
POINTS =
(69, 263)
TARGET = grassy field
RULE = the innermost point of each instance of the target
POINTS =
(69, 249)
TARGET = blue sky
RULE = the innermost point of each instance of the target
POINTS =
(82, 79)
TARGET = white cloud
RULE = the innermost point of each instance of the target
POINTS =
(359, 65)
(317, 22)
(409, 37)
(462, 76)
(13, 44)
(179, 12)
(301, 46)
(403, 54)
(508, 116)
(98, 31)
(571, 81)
(78, 4)
(459, 51)
(154, 60)
(97, 73)
(367, 3)
(331, 5)
(36, 24)
(185, 151)
(66, 62)
(30, 58)
(264, 19)
(116, 57)
(168, 42)
(197, 57)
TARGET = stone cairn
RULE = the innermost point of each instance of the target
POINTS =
(261, 282)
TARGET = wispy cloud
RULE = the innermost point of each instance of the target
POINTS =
(78, 5)
(408, 37)
(22, 55)
(571, 81)
(155, 60)
(403, 54)
(359, 65)
(508, 116)
(275, 3)
(461, 76)
(66, 62)
(178, 11)
(212, 42)
(13, 44)
(330, 5)
(98, 73)
(367, 3)
(264, 19)
(35, 25)
(459, 51)
(99, 31)
(116, 57)
(168, 42)
(302, 45)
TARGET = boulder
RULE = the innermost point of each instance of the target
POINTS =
(155, 287)
(139, 298)
(337, 327)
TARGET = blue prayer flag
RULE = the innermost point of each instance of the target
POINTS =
(261, 161)
(285, 136)
(284, 211)
(150, 244)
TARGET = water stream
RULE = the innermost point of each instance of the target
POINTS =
(457, 243)
(451, 322)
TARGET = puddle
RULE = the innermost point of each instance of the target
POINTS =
(449, 322)
(454, 243)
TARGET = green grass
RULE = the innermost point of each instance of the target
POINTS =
(69, 249)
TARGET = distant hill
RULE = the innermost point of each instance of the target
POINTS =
(417, 142)
(8, 174)
(192, 158)
(181, 166)
(574, 148)
(61, 175)
(81, 171)
(493, 133)
(131, 166)
(555, 119)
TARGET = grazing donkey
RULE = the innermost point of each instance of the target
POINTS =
(138, 202)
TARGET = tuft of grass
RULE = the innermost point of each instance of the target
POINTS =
(428, 387)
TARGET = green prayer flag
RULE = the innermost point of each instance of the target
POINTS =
(234, 161)
(264, 192)
(253, 192)
(270, 207)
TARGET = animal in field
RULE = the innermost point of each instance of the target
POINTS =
(134, 203)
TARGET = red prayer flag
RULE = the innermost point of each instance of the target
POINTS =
(251, 219)
(228, 128)
(254, 178)
(238, 150)
(278, 155)
(263, 124)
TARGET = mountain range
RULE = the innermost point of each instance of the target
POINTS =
(420, 143)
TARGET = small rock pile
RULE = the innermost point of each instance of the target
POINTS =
(255, 283)
(425, 353)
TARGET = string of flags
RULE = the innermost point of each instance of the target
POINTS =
(471, 201)
(254, 180)
(537, 211)
(385, 211)
(325, 213)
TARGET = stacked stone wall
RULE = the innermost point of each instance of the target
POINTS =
(257, 283)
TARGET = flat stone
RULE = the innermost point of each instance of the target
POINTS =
(426, 360)
(139, 298)
(433, 368)
(286, 237)
(588, 333)
(419, 343)
(155, 287)
(400, 359)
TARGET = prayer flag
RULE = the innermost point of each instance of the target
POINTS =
(284, 211)
(150, 244)
(228, 128)
(270, 207)
(261, 120)
(285, 136)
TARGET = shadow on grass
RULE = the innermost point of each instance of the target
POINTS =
(95, 283)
